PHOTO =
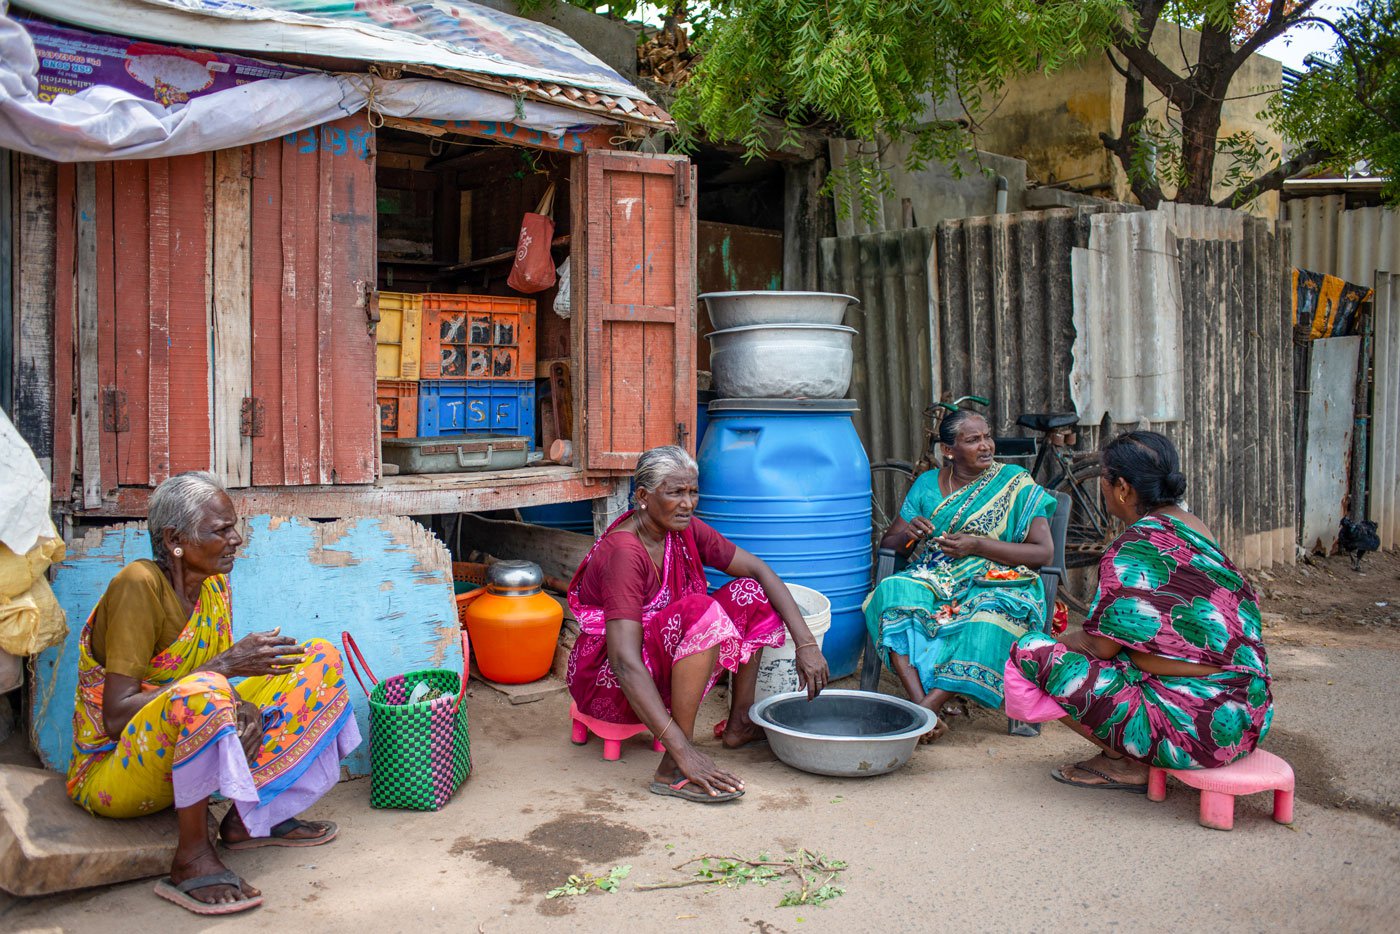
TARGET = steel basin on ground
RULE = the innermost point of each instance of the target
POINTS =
(739, 309)
(849, 734)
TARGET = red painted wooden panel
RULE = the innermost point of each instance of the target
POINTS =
(132, 289)
(639, 306)
(313, 218)
(65, 267)
(158, 333)
(190, 178)
(266, 299)
(107, 364)
(355, 450)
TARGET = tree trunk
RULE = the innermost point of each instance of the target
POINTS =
(1200, 126)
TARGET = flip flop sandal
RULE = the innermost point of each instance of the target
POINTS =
(278, 835)
(1108, 784)
(686, 791)
(179, 893)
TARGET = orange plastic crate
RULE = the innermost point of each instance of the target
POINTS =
(398, 408)
(477, 337)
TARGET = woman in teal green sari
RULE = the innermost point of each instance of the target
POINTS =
(942, 625)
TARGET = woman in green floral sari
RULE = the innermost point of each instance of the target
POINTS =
(942, 625)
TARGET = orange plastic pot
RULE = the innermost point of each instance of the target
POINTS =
(513, 624)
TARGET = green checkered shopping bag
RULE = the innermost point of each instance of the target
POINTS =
(419, 753)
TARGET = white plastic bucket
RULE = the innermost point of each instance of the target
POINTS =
(777, 673)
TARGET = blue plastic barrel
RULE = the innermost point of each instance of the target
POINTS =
(790, 481)
(572, 517)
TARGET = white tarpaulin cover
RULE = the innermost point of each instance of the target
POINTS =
(104, 123)
(24, 492)
(451, 35)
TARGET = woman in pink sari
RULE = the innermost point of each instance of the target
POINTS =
(652, 643)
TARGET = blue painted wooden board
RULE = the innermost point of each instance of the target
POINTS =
(387, 580)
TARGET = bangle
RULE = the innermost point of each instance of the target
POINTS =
(804, 645)
(669, 721)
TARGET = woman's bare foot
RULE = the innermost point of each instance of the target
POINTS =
(940, 726)
(1121, 770)
(740, 731)
(206, 863)
(957, 707)
(231, 829)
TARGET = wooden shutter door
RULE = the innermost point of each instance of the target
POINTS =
(638, 224)
(312, 267)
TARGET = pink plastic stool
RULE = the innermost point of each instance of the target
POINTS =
(612, 734)
(1256, 772)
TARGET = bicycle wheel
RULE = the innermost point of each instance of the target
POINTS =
(1091, 528)
(889, 483)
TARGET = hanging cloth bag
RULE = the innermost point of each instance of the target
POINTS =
(533, 270)
(419, 753)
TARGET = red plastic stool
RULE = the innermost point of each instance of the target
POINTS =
(612, 734)
(1256, 772)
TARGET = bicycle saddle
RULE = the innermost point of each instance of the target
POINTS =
(1047, 421)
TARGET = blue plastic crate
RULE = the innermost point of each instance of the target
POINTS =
(456, 407)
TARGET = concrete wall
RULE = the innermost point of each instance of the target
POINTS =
(610, 40)
(1054, 121)
(937, 192)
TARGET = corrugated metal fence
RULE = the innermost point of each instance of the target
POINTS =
(1354, 245)
(1385, 414)
(996, 305)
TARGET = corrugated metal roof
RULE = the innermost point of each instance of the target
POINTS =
(459, 41)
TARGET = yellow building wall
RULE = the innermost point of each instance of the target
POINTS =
(1053, 121)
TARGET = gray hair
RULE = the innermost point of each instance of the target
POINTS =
(659, 463)
(178, 504)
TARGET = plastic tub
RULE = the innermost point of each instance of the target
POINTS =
(777, 673)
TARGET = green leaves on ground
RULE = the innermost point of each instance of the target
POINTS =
(814, 874)
(582, 885)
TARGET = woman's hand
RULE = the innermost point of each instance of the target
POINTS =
(701, 770)
(812, 671)
(959, 544)
(918, 529)
(259, 653)
(250, 731)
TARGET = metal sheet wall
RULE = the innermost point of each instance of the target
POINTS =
(1002, 326)
(1384, 507)
(1354, 244)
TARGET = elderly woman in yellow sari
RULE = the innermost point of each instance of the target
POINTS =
(976, 532)
(157, 722)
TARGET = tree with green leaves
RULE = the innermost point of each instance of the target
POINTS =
(926, 71)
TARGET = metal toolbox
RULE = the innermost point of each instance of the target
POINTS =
(456, 453)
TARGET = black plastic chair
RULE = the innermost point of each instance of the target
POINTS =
(887, 562)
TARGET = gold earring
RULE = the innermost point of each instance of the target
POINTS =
(1122, 498)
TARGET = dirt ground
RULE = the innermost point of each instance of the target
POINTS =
(971, 835)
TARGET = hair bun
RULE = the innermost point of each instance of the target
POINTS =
(1174, 485)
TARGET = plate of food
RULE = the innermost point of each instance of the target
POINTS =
(1006, 577)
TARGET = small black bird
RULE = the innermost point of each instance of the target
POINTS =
(1356, 538)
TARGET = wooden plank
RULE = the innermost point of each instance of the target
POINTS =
(396, 496)
(356, 441)
(38, 263)
(267, 290)
(325, 239)
(64, 333)
(107, 364)
(571, 141)
(89, 382)
(132, 278)
(304, 194)
(233, 317)
(49, 845)
(158, 349)
(290, 308)
(190, 323)
(558, 552)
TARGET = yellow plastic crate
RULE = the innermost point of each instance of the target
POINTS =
(398, 339)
